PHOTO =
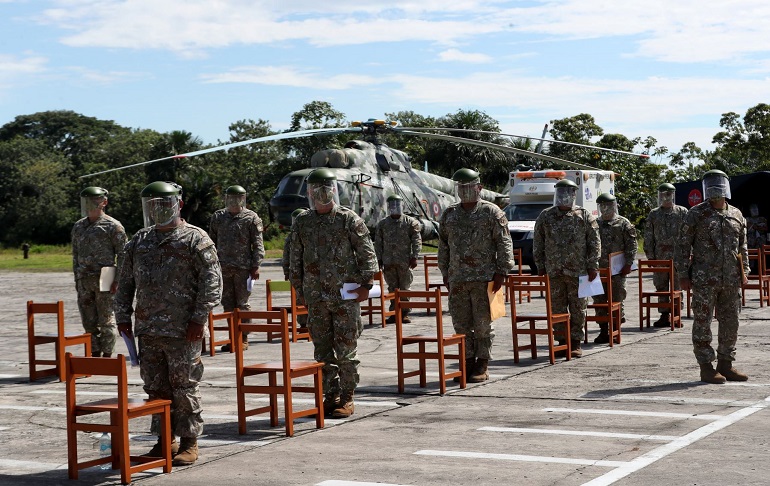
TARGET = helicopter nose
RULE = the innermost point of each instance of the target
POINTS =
(282, 206)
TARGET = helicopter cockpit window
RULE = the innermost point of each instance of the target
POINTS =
(294, 185)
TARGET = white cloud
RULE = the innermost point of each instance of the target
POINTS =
(18, 69)
(455, 55)
(289, 76)
(95, 76)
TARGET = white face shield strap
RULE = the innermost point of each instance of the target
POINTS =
(564, 196)
(468, 192)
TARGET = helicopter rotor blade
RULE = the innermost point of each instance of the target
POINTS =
(466, 130)
(269, 138)
(495, 146)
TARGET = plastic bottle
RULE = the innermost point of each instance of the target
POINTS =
(105, 449)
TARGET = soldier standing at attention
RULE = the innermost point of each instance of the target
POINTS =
(97, 241)
(397, 243)
(616, 234)
(660, 237)
(713, 260)
(474, 248)
(171, 267)
(286, 257)
(237, 233)
(756, 228)
(566, 245)
(330, 245)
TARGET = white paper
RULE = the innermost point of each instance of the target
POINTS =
(348, 287)
(617, 262)
(133, 355)
(587, 288)
(106, 277)
(249, 283)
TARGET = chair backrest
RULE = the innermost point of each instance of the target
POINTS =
(517, 258)
(764, 255)
(656, 266)
(428, 299)
(268, 322)
(605, 274)
(531, 283)
(281, 286)
(56, 308)
(80, 366)
(428, 262)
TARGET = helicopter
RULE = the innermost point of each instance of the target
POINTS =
(368, 171)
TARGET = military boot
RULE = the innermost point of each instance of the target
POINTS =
(577, 351)
(345, 408)
(331, 402)
(157, 449)
(480, 374)
(188, 452)
(709, 375)
(725, 368)
(663, 321)
(470, 365)
(604, 334)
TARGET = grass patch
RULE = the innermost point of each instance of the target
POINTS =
(42, 258)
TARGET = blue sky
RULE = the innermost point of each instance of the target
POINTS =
(655, 68)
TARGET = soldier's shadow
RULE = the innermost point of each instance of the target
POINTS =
(635, 390)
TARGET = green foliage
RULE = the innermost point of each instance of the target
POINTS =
(42, 258)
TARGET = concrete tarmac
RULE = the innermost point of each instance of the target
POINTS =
(634, 414)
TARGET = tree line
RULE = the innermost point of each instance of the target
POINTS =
(43, 154)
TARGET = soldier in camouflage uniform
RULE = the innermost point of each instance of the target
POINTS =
(330, 245)
(566, 245)
(237, 233)
(712, 258)
(756, 228)
(474, 248)
(660, 238)
(286, 260)
(171, 267)
(616, 234)
(97, 241)
(398, 243)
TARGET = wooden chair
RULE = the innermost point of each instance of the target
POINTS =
(294, 310)
(118, 411)
(422, 354)
(275, 322)
(60, 340)
(382, 307)
(428, 262)
(537, 283)
(213, 342)
(648, 299)
(612, 309)
(517, 270)
(760, 281)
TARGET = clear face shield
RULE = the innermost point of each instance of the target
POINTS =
(716, 187)
(468, 192)
(395, 208)
(160, 211)
(235, 202)
(565, 196)
(89, 205)
(608, 210)
(322, 195)
(666, 199)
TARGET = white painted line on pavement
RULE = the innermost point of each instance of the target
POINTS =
(634, 413)
(32, 409)
(689, 401)
(4, 428)
(7, 377)
(435, 373)
(267, 418)
(337, 482)
(519, 457)
(15, 464)
(660, 452)
(582, 433)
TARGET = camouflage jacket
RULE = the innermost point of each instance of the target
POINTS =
(96, 245)
(397, 240)
(328, 250)
(662, 232)
(175, 277)
(710, 244)
(756, 231)
(617, 234)
(566, 242)
(474, 245)
(286, 257)
(238, 238)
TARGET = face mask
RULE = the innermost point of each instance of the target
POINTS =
(235, 202)
(394, 208)
(716, 188)
(163, 210)
(715, 192)
(323, 195)
(468, 193)
(564, 196)
(666, 199)
(608, 210)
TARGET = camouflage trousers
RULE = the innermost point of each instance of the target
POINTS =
(234, 291)
(398, 277)
(660, 281)
(469, 307)
(564, 297)
(725, 304)
(171, 369)
(335, 328)
(618, 295)
(97, 314)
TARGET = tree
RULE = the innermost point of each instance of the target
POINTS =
(742, 147)
(314, 115)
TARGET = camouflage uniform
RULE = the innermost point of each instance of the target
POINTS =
(473, 246)
(617, 234)
(566, 245)
(756, 231)
(714, 239)
(238, 238)
(326, 251)
(96, 245)
(286, 264)
(397, 241)
(660, 239)
(177, 280)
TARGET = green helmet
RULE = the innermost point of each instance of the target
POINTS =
(94, 191)
(297, 212)
(320, 176)
(714, 173)
(465, 175)
(666, 187)
(566, 183)
(161, 189)
(235, 190)
(605, 197)
(716, 185)
(394, 197)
